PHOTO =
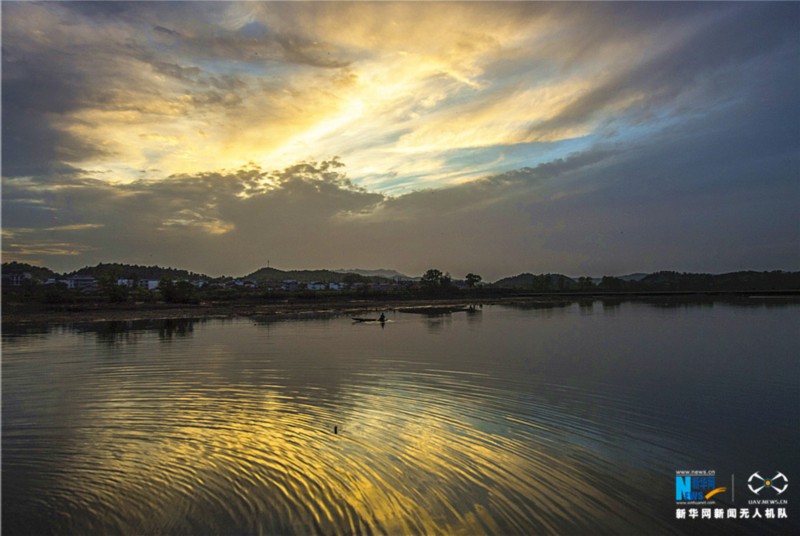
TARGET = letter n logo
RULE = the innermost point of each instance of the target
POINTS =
(683, 484)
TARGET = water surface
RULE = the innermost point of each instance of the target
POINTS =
(567, 419)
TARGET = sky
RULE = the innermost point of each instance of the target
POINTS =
(493, 138)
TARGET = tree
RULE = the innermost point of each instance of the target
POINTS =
(114, 292)
(585, 283)
(435, 282)
(431, 280)
(180, 292)
(473, 279)
(446, 282)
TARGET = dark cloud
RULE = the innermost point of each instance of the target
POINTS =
(94, 58)
(166, 31)
(185, 73)
(491, 191)
(716, 49)
(187, 220)
(300, 50)
(45, 79)
(39, 86)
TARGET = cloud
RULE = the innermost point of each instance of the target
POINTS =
(186, 219)
(166, 31)
(85, 92)
(687, 199)
(493, 138)
(712, 48)
(89, 85)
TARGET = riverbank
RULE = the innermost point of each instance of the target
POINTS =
(158, 311)
(20, 313)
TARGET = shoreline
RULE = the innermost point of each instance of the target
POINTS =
(21, 314)
(133, 312)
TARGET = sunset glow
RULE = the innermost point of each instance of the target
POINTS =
(556, 125)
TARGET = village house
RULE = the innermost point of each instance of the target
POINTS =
(146, 284)
(15, 279)
(290, 285)
(242, 283)
(84, 283)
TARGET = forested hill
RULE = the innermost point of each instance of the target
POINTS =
(132, 271)
(658, 281)
(541, 282)
(39, 272)
(748, 280)
(105, 271)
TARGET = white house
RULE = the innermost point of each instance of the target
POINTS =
(147, 284)
(15, 279)
(80, 282)
(290, 284)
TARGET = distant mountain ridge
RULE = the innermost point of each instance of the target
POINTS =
(380, 272)
(307, 276)
(632, 277)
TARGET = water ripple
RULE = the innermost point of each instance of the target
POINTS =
(232, 431)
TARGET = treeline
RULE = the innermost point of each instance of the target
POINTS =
(120, 283)
(665, 281)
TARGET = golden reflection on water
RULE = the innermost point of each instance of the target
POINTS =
(514, 428)
(409, 458)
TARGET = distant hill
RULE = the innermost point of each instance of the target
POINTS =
(542, 282)
(381, 272)
(633, 277)
(106, 271)
(305, 276)
(745, 280)
(37, 272)
(630, 277)
(658, 282)
(133, 271)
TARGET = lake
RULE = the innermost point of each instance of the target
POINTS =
(567, 418)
